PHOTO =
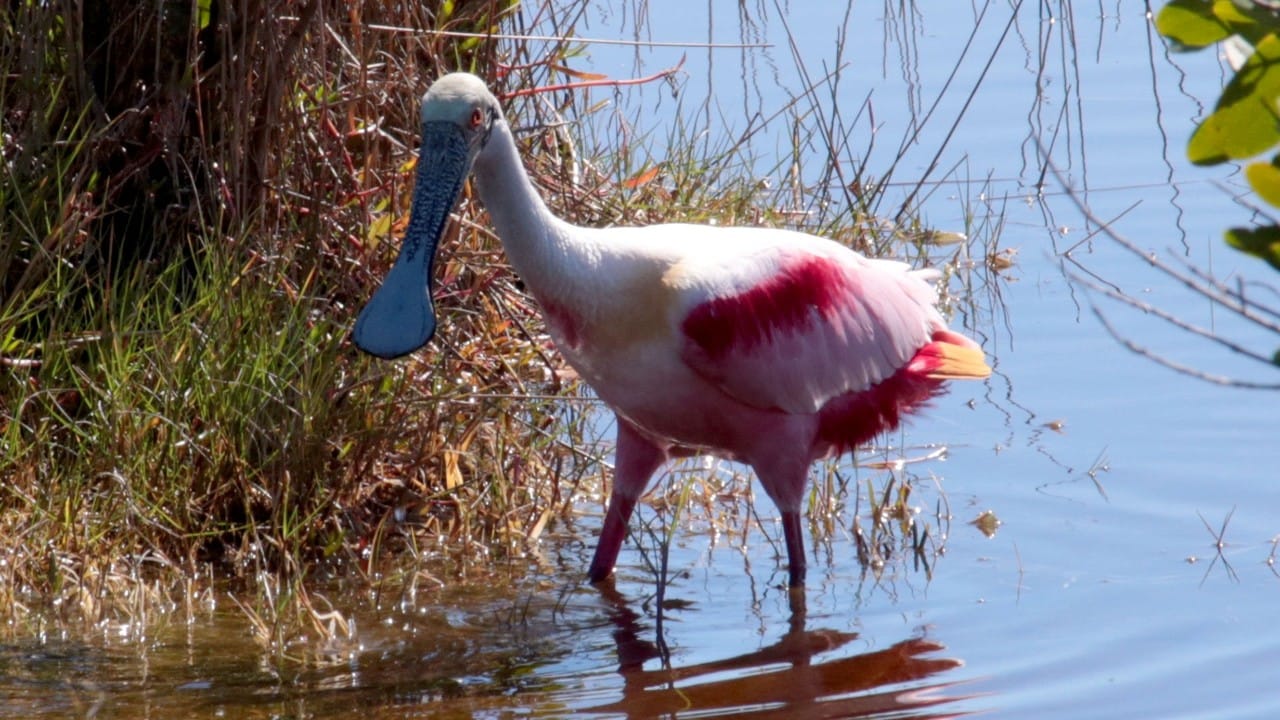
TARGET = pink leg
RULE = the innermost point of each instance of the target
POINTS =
(793, 532)
(784, 472)
(636, 460)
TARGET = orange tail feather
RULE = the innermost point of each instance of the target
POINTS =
(951, 356)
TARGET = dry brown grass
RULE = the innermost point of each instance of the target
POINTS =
(189, 224)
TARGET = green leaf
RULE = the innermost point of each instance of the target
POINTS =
(1262, 242)
(1265, 179)
(1244, 123)
(1191, 24)
(1245, 18)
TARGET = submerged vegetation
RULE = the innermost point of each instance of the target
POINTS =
(193, 207)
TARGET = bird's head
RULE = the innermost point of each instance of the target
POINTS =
(458, 116)
(459, 106)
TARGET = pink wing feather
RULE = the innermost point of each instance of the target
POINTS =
(809, 326)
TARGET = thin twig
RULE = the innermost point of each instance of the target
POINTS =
(575, 39)
(1174, 320)
(1220, 546)
(1177, 366)
(577, 85)
(1227, 298)
(1197, 281)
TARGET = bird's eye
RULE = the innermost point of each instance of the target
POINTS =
(477, 118)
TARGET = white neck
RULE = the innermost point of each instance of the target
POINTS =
(541, 246)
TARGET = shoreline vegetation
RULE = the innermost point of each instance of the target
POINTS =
(192, 209)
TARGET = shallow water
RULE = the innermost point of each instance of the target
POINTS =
(1102, 593)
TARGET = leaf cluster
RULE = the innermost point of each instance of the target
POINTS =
(1245, 123)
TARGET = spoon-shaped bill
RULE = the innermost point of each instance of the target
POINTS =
(400, 317)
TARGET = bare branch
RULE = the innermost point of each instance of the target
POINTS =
(1172, 319)
(1225, 296)
(1177, 366)
(1195, 279)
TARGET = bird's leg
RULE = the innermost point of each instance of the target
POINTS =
(611, 536)
(793, 533)
(783, 469)
(636, 459)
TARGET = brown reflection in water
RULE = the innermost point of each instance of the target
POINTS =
(780, 680)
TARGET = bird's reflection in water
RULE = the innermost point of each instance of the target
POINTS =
(801, 675)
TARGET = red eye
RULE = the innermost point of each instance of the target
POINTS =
(477, 118)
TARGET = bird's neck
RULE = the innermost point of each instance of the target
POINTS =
(541, 247)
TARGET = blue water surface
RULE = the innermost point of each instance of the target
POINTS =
(1103, 593)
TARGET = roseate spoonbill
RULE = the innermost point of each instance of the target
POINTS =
(770, 347)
